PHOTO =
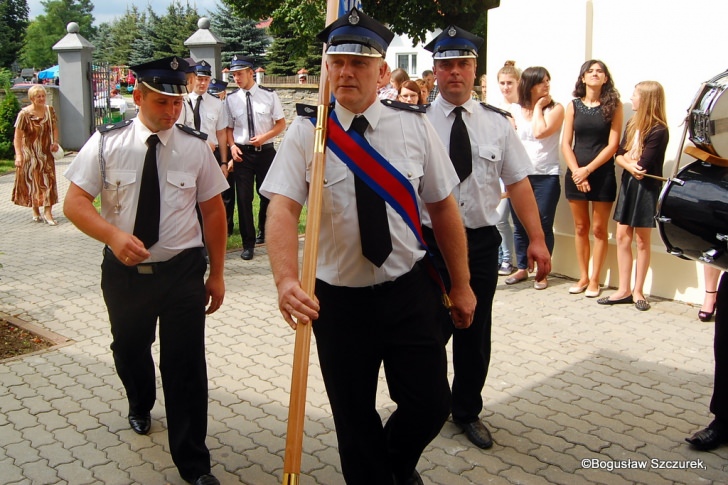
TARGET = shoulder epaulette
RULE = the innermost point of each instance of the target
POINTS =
(307, 110)
(415, 108)
(270, 90)
(192, 131)
(501, 112)
(233, 91)
(113, 126)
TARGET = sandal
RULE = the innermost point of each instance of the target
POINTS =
(704, 316)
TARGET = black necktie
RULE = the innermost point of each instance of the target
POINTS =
(376, 243)
(146, 225)
(196, 113)
(461, 154)
(251, 125)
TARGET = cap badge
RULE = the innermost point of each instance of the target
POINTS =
(174, 64)
(452, 32)
(354, 18)
(235, 57)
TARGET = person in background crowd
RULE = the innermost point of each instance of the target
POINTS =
(385, 90)
(432, 88)
(538, 125)
(153, 268)
(508, 77)
(712, 275)
(425, 90)
(255, 117)
(483, 87)
(483, 148)
(375, 303)
(591, 137)
(716, 434)
(399, 76)
(36, 136)
(410, 92)
(641, 154)
(218, 89)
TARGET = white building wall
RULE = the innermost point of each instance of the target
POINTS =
(679, 44)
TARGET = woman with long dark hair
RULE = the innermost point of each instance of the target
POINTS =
(592, 125)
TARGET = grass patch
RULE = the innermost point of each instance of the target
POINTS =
(7, 166)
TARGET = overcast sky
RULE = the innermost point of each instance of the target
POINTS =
(107, 10)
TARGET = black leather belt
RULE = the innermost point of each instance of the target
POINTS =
(148, 268)
(252, 148)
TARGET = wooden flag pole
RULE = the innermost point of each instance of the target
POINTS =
(302, 349)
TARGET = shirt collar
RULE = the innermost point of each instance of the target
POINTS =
(372, 114)
(143, 133)
(447, 107)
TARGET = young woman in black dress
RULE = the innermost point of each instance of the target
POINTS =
(641, 154)
(590, 139)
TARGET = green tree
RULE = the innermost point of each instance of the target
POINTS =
(173, 29)
(414, 18)
(9, 108)
(49, 28)
(241, 36)
(13, 22)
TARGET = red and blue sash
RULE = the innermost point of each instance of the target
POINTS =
(368, 164)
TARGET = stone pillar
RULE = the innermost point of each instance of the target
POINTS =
(76, 121)
(205, 45)
(260, 76)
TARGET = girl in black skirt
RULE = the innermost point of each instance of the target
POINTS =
(642, 153)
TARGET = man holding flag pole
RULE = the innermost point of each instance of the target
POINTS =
(376, 294)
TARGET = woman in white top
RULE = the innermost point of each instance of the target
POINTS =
(508, 77)
(538, 125)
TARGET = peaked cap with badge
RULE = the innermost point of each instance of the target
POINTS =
(239, 62)
(165, 76)
(356, 34)
(216, 86)
(203, 68)
(454, 43)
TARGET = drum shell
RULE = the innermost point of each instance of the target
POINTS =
(692, 214)
(708, 119)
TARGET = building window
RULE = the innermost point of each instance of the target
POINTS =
(408, 62)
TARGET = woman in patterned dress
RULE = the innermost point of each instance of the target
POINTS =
(35, 180)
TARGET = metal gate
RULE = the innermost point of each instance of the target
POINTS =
(105, 108)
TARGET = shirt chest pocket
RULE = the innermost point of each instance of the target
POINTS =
(491, 157)
(412, 171)
(337, 193)
(180, 190)
(118, 186)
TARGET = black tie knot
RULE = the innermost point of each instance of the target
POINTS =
(152, 140)
(359, 124)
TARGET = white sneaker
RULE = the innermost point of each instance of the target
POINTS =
(505, 269)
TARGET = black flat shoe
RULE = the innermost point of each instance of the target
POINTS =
(621, 301)
(642, 305)
(707, 439)
(206, 479)
(247, 254)
(140, 423)
(260, 239)
(477, 433)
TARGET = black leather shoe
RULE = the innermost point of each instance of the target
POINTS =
(707, 439)
(414, 479)
(207, 479)
(141, 424)
(260, 239)
(247, 254)
(477, 433)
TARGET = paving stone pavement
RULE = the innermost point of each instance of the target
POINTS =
(569, 381)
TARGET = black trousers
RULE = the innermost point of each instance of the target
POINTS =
(719, 402)
(228, 199)
(174, 295)
(357, 331)
(249, 175)
(471, 346)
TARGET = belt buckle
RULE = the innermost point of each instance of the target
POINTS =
(257, 148)
(145, 269)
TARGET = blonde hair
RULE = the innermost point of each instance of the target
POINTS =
(650, 113)
(34, 90)
(509, 69)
